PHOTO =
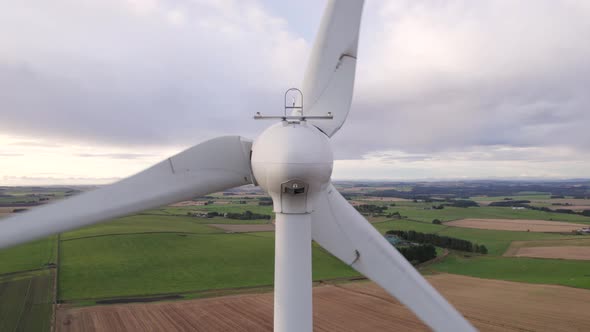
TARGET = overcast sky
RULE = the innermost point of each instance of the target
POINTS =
(92, 91)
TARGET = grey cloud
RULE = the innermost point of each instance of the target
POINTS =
(446, 77)
(142, 79)
(432, 77)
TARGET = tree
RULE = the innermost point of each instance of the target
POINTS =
(436, 222)
(483, 249)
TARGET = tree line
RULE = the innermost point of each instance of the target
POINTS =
(248, 215)
(439, 241)
(370, 208)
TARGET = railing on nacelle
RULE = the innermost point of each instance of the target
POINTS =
(292, 107)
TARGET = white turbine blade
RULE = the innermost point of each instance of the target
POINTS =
(215, 165)
(344, 232)
(329, 78)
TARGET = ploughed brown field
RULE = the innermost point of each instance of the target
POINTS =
(491, 305)
(245, 228)
(517, 225)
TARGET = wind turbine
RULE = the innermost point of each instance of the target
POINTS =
(292, 161)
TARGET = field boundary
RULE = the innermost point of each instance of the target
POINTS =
(218, 292)
(143, 233)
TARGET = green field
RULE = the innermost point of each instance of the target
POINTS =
(221, 208)
(496, 241)
(144, 224)
(453, 213)
(162, 263)
(522, 196)
(532, 270)
(26, 303)
(30, 256)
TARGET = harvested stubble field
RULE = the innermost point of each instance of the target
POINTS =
(491, 305)
(565, 252)
(575, 248)
(522, 225)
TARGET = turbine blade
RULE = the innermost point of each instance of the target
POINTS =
(344, 232)
(214, 165)
(329, 78)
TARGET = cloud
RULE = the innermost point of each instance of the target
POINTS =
(115, 155)
(50, 181)
(454, 81)
(492, 162)
(143, 72)
(435, 76)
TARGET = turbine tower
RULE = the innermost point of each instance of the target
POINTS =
(292, 161)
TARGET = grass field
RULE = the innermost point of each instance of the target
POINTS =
(496, 241)
(221, 208)
(34, 255)
(532, 270)
(143, 224)
(134, 265)
(25, 303)
(523, 196)
(487, 212)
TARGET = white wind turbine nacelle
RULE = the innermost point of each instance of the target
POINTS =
(292, 161)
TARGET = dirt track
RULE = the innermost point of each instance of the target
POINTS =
(245, 228)
(522, 225)
(491, 305)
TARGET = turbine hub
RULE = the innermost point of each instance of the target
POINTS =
(292, 162)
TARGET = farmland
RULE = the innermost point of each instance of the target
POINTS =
(522, 225)
(179, 252)
(26, 303)
(564, 252)
(490, 305)
(95, 267)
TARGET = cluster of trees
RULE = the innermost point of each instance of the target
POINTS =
(395, 215)
(463, 203)
(511, 202)
(418, 253)
(199, 214)
(248, 215)
(439, 241)
(370, 208)
(265, 201)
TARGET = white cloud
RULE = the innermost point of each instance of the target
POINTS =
(500, 162)
(444, 89)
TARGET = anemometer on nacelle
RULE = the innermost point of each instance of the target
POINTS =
(297, 106)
